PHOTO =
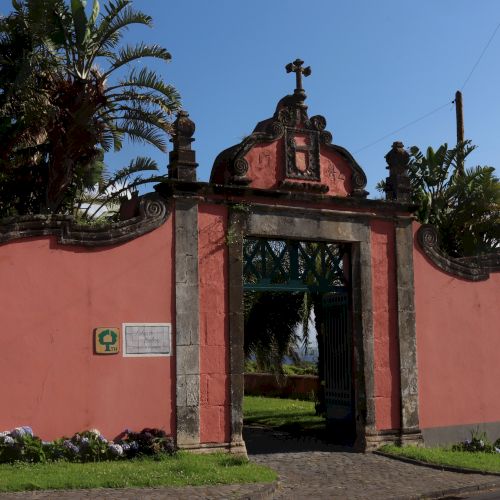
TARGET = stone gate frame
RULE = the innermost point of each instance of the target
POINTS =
(260, 220)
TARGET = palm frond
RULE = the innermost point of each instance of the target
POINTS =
(109, 30)
(146, 99)
(132, 53)
(142, 132)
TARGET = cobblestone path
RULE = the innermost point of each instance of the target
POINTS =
(308, 469)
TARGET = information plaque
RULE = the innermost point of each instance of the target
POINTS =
(147, 339)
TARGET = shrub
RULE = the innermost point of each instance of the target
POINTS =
(20, 445)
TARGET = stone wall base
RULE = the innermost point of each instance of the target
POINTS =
(237, 448)
(376, 439)
(455, 433)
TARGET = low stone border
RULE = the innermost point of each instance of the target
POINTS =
(451, 492)
(448, 468)
(250, 491)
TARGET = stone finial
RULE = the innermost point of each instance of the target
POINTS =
(182, 158)
(398, 186)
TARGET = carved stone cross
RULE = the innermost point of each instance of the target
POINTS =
(296, 67)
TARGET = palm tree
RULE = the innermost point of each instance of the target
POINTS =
(87, 109)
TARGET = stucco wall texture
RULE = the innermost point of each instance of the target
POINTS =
(214, 324)
(52, 297)
(387, 379)
(458, 346)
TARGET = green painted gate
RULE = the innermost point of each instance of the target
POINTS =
(338, 359)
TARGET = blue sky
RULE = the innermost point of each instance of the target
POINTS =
(376, 66)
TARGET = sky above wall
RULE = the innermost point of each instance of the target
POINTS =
(376, 67)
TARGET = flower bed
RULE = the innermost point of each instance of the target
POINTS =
(478, 442)
(21, 445)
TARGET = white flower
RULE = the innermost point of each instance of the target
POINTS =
(95, 432)
(497, 450)
(116, 449)
(4, 433)
(8, 440)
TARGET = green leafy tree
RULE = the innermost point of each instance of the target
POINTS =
(73, 93)
(464, 205)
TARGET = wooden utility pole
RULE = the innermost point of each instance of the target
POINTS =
(460, 131)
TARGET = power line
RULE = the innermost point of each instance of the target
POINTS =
(439, 108)
(480, 56)
(488, 43)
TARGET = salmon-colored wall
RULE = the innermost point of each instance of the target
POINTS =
(267, 168)
(214, 326)
(52, 297)
(458, 346)
(387, 373)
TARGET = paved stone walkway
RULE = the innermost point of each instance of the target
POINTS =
(308, 469)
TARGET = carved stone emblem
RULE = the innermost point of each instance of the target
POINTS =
(302, 154)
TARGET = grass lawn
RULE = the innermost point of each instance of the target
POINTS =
(182, 469)
(285, 414)
(484, 462)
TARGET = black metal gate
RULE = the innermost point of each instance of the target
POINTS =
(338, 360)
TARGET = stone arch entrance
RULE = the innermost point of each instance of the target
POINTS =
(299, 225)
(322, 270)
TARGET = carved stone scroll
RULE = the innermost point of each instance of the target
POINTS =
(153, 212)
(476, 268)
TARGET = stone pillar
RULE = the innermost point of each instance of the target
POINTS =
(187, 333)
(182, 158)
(364, 355)
(236, 327)
(397, 185)
(407, 335)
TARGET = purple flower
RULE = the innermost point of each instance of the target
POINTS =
(125, 446)
(27, 430)
(84, 442)
(134, 445)
(102, 438)
(71, 447)
(18, 432)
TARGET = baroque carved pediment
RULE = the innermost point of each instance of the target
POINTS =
(300, 155)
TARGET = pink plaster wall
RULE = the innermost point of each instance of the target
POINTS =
(266, 164)
(52, 298)
(214, 326)
(387, 373)
(458, 346)
(267, 168)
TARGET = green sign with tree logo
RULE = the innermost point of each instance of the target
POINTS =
(107, 340)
